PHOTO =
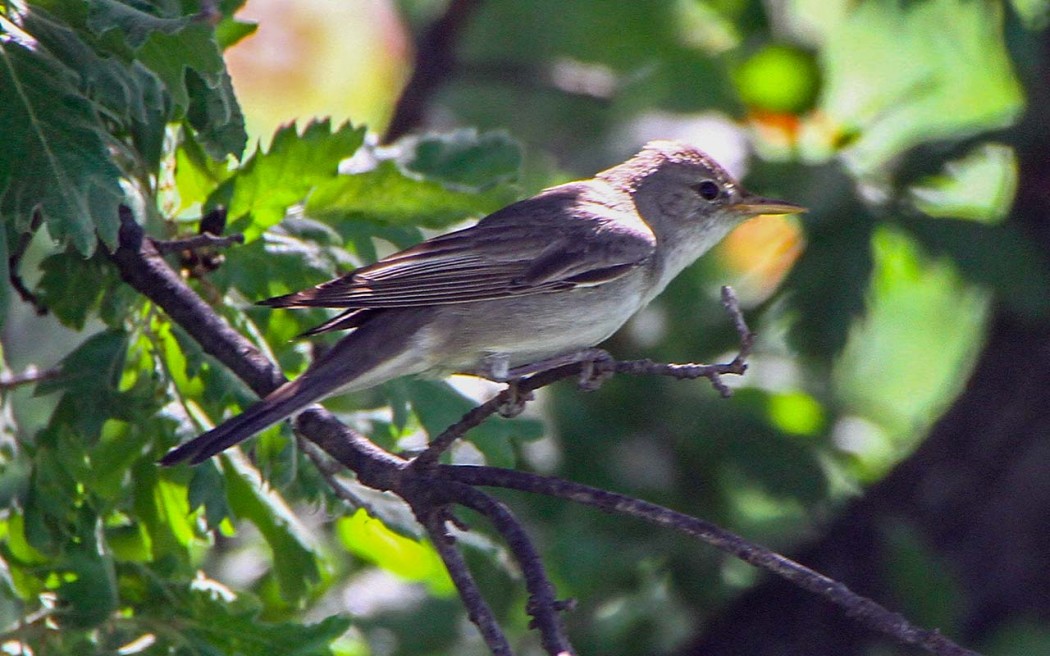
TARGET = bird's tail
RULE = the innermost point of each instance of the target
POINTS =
(283, 402)
(381, 349)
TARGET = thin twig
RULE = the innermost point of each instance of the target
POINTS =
(543, 605)
(27, 376)
(866, 611)
(196, 242)
(14, 261)
(478, 610)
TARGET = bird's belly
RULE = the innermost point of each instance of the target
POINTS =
(528, 329)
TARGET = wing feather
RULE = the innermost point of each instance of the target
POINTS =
(565, 237)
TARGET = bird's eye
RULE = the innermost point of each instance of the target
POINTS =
(708, 189)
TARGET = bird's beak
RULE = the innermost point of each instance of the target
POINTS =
(754, 205)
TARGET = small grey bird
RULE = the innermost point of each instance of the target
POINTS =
(539, 281)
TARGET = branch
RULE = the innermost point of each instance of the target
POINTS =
(543, 604)
(866, 611)
(197, 242)
(478, 610)
(28, 376)
(434, 64)
(142, 267)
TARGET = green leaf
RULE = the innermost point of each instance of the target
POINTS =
(72, 285)
(829, 281)
(464, 160)
(272, 181)
(387, 195)
(170, 56)
(160, 505)
(412, 560)
(112, 83)
(216, 626)
(89, 378)
(208, 490)
(296, 558)
(88, 591)
(907, 358)
(196, 173)
(996, 256)
(55, 160)
(979, 186)
(230, 31)
(281, 262)
(136, 25)
(216, 116)
(874, 87)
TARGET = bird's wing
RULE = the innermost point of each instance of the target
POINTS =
(555, 241)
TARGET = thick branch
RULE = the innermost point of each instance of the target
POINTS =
(142, 267)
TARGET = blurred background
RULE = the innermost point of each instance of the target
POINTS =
(893, 430)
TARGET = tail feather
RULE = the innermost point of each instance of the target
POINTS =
(379, 349)
(283, 402)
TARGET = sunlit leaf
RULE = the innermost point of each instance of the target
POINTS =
(272, 181)
(888, 78)
(412, 560)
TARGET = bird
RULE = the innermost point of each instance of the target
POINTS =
(542, 280)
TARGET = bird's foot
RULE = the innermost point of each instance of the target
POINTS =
(596, 369)
(516, 400)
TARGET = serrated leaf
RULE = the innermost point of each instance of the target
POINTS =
(296, 557)
(170, 56)
(216, 116)
(272, 181)
(280, 263)
(230, 31)
(55, 158)
(387, 195)
(109, 81)
(136, 25)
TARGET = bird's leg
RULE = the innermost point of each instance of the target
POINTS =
(592, 372)
(516, 400)
(596, 369)
(496, 367)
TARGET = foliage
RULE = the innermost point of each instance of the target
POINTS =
(884, 132)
